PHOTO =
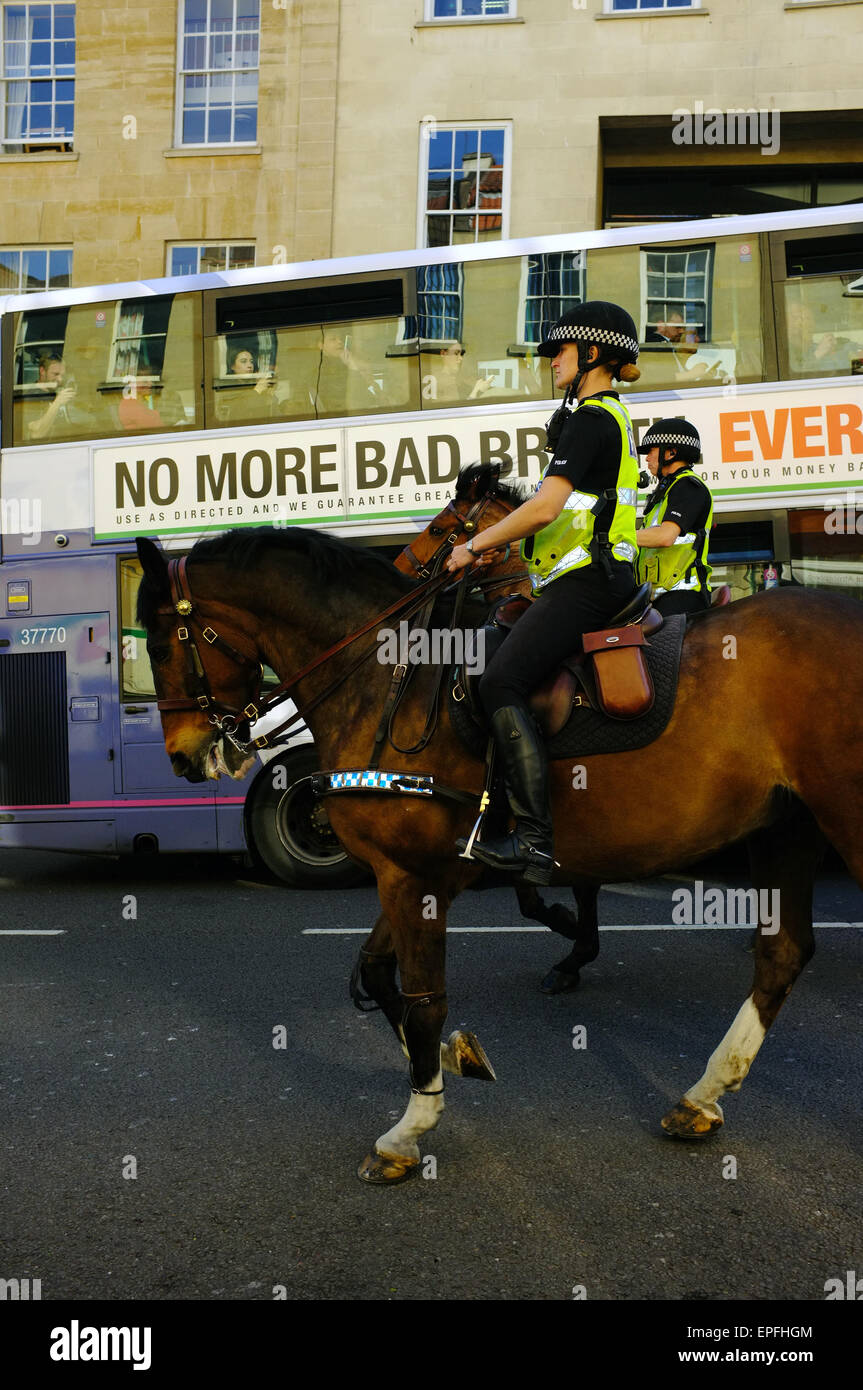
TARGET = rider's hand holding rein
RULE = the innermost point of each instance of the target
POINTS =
(538, 511)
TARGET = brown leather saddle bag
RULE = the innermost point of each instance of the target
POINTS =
(624, 686)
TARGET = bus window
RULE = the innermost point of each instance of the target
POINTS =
(827, 547)
(310, 372)
(821, 328)
(105, 368)
(476, 333)
(137, 675)
(697, 307)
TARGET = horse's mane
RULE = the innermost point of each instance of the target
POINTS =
(327, 557)
(481, 474)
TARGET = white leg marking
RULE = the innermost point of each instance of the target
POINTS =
(422, 1114)
(731, 1061)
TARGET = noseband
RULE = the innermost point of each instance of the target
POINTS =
(466, 525)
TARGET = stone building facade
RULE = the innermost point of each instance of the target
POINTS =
(560, 115)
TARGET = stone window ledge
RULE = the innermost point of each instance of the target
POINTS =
(49, 157)
(665, 14)
(185, 151)
(468, 20)
(816, 4)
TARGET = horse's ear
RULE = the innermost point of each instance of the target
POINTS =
(153, 563)
(494, 475)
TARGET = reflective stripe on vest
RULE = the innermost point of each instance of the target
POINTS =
(681, 566)
(565, 544)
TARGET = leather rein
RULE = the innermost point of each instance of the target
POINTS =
(228, 719)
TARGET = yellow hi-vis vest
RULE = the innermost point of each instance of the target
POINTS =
(570, 541)
(682, 566)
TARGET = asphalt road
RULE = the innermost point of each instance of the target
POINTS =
(145, 1045)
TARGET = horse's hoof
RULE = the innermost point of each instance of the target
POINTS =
(468, 1057)
(686, 1121)
(559, 982)
(385, 1170)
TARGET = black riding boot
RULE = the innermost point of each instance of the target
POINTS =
(528, 850)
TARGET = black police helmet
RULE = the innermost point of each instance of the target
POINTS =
(595, 321)
(676, 434)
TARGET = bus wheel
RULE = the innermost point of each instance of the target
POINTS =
(288, 830)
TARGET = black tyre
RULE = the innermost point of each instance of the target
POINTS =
(288, 830)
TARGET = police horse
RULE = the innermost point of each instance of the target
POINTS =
(782, 773)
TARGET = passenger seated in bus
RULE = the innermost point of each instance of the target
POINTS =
(55, 419)
(348, 383)
(813, 351)
(145, 405)
(670, 330)
(255, 396)
(450, 381)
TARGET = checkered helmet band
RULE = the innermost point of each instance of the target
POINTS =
(572, 332)
(650, 440)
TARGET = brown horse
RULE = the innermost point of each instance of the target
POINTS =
(765, 742)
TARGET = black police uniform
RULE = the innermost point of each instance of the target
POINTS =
(587, 454)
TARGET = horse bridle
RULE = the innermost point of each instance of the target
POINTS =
(228, 719)
(466, 525)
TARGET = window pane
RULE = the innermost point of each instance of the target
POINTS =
(64, 59)
(214, 257)
(184, 260)
(241, 257)
(823, 327)
(246, 124)
(59, 269)
(10, 270)
(193, 127)
(35, 269)
(195, 52)
(195, 20)
(218, 125)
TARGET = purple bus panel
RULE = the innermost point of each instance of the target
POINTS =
(81, 769)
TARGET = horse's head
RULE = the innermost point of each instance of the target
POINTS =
(206, 671)
(480, 500)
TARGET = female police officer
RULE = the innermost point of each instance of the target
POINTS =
(677, 520)
(578, 534)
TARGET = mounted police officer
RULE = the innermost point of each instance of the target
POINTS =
(678, 516)
(578, 534)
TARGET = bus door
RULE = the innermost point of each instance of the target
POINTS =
(56, 753)
(88, 659)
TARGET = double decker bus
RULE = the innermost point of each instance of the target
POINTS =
(346, 395)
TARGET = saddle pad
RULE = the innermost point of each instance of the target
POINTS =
(588, 733)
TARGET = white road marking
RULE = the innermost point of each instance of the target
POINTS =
(642, 926)
(36, 931)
